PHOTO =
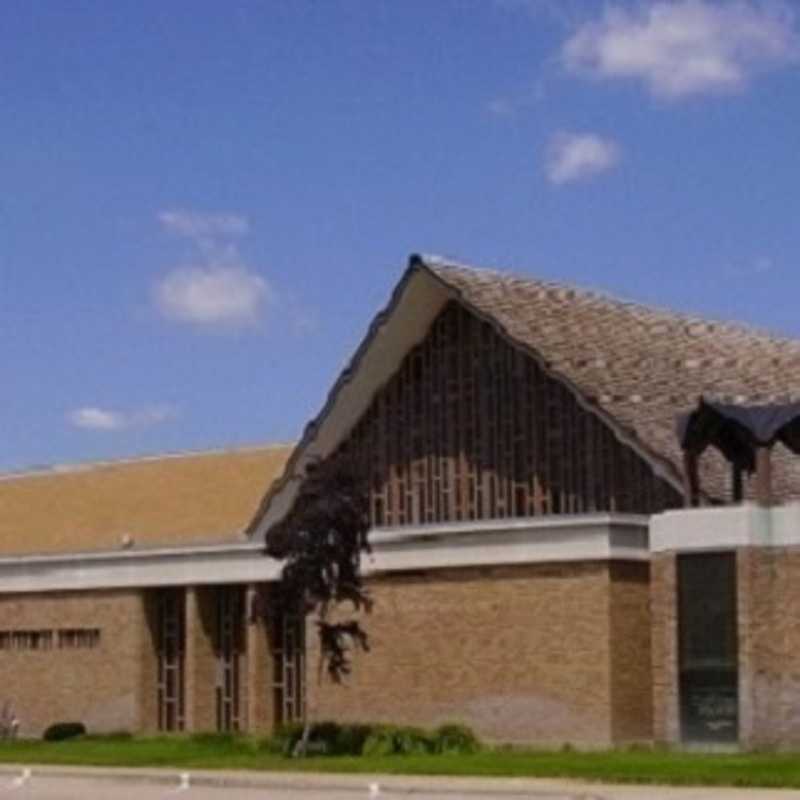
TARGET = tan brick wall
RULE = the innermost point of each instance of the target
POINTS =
(519, 653)
(768, 609)
(102, 686)
(631, 664)
(664, 644)
(148, 660)
(201, 661)
(769, 646)
(259, 713)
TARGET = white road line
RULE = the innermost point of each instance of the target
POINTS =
(183, 786)
(18, 782)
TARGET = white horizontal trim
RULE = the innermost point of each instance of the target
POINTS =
(552, 522)
(580, 537)
(138, 569)
(512, 544)
(154, 553)
(725, 528)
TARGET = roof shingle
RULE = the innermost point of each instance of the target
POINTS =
(640, 365)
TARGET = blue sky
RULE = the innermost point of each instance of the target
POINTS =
(205, 203)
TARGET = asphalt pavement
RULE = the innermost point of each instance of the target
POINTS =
(60, 783)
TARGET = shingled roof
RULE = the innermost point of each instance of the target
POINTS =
(639, 364)
(636, 366)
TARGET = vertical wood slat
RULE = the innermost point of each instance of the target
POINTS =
(470, 428)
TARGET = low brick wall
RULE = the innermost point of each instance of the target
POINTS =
(769, 646)
(519, 653)
(103, 686)
(664, 644)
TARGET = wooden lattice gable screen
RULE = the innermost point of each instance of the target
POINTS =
(472, 428)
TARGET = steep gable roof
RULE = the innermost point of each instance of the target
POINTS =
(635, 366)
(175, 500)
(640, 365)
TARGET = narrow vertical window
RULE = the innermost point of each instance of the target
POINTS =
(289, 665)
(228, 646)
(171, 652)
(708, 647)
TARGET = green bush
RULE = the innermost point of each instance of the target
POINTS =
(335, 739)
(390, 740)
(351, 739)
(452, 738)
(284, 739)
(325, 738)
(60, 731)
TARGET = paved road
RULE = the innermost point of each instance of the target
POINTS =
(81, 784)
(60, 788)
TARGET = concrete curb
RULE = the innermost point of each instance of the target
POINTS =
(300, 781)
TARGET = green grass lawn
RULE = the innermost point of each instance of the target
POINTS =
(616, 766)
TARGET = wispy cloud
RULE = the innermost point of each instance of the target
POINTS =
(215, 288)
(199, 225)
(502, 107)
(509, 105)
(103, 419)
(578, 156)
(758, 267)
(213, 295)
(686, 47)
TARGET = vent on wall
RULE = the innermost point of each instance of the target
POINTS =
(65, 638)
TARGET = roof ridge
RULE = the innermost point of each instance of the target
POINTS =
(441, 264)
(48, 470)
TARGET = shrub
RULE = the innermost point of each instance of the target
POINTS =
(60, 731)
(325, 738)
(452, 738)
(388, 740)
(335, 739)
(284, 739)
(352, 738)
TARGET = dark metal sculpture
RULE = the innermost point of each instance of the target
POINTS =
(745, 435)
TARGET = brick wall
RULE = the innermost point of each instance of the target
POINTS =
(631, 665)
(520, 653)
(148, 661)
(664, 645)
(201, 661)
(100, 686)
(258, 674)
(769, 646)
(768, 609)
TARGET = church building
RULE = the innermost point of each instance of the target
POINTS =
(556, 558)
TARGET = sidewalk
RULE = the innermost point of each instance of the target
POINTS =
(398, 785)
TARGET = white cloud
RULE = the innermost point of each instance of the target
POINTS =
(101, 419)
(578, 156)
(97, 419)
(213, 295)
(685, 47)
(199, 225)
(218, 288)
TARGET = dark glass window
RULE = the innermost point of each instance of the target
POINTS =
(708, 647)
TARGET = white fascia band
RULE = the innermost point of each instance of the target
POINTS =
(568, 538)
(725, 528)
